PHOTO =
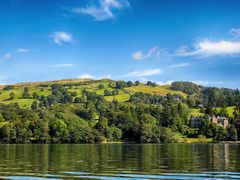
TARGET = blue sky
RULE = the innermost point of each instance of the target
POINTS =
(156, 40)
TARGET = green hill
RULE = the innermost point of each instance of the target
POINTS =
(77, 85)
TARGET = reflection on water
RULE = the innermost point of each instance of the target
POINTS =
(120, 161)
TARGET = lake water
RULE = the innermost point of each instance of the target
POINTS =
(120, 161)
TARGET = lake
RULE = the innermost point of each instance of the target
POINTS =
(120, 161)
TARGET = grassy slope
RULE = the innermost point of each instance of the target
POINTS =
(230, 110)
(83, 84)
(196, 112)
(90, 86)
(160, 90)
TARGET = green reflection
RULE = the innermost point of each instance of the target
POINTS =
(39, 159)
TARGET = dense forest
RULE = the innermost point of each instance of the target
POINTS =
(66, 117)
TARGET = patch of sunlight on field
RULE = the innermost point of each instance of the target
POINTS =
(100, 91)
(23, 103)
(40, 91)
(198, 140)
(230, 110)
(4, 94)
(160, 90)
(195, 112)
(120, 97)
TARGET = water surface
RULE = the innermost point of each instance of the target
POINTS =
(120, 161)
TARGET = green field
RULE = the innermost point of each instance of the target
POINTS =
(196, 112)
(198, 140)
(160, 90)
(230, 110)
(23, 103)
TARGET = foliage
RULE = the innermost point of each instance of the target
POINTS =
(187, 87)
(76, 113)
(12, 95)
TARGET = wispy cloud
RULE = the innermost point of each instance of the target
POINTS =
(103, 10)
(207, 48)
(9, 55)
(107, 76)
(165, 83)
(235, 32)
(180, 65)
(143, 73)
(90, 76)
(22, 50)
(62, 65)
(62, 37)
(181, 49)
(86, 76)
(209, 83)
(201, 82)
(153, 52)
(202, 48)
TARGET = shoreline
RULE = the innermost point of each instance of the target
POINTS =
(185, 141)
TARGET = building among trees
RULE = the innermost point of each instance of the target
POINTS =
(195, 121)
(221, 121)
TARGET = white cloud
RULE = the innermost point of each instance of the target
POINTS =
(9, 55)
(180, 65)
(22, 50)
(201, 82)
(153, 52)
(107, 76)
(62, 37)
(202, 48)
(181, 49)
(86, 76)
(104, 10)
(144, 73)
(235, 32)
(62, 65)
(208, 48)
(164, 83)
(90, 76)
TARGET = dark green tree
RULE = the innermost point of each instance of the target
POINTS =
(26, 94)
(34, 105)
(12, 95)
(100, 86)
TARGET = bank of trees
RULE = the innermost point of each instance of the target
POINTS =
(59, 118)
(65, 117)
(207, 96)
